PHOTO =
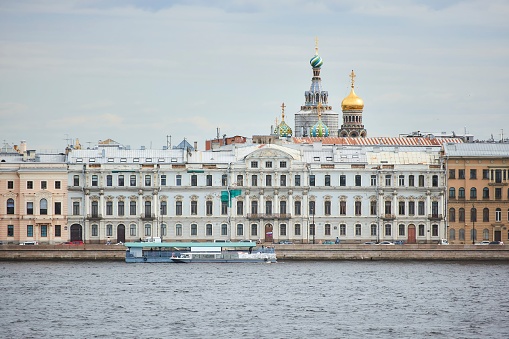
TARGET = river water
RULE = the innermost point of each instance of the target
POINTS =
(341, 299)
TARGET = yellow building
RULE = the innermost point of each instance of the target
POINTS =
(478, 192)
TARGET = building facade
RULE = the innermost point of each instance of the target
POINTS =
(478, 193)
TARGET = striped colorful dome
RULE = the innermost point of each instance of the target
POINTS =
(316, 61)
(319, 129)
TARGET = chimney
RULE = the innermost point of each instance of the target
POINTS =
(23, 146)
(196, 145)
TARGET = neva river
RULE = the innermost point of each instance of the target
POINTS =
(343, 299)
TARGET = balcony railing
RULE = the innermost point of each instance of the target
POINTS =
(94, 216)
(147, 216)
(269, 216)
(435, 216)
(388, 216)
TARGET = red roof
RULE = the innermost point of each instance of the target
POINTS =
(383, 141)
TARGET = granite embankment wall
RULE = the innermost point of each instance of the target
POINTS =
(284, 252)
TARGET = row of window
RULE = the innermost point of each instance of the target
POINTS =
(30, 184)
(267, 180)
(473, 214)
(30, 231)
(496, 175)
(473, 193)
(43, 207)
(473, 234)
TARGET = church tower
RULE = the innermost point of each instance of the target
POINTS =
(352, 107)
(309, 113)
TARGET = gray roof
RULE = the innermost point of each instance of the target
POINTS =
(477, 149)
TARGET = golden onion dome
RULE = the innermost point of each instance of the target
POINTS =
(352, 101)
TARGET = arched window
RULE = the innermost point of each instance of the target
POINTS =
(461, 216)
(452, 234)
(461, 193)
(462, 234)
(43, 210)
(473, 214)
(452, 193)
(485, 193)
(148, 209)
(498, 215)
(485, 234)
(473, 234)
(473, 193)
(10, 206)
(486, 214)
(452, 215)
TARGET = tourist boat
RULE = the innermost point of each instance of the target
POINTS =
(198, 252)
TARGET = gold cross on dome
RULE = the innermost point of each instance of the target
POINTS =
(316, 45)
(283, 110)
(352, 76)
(319, 109)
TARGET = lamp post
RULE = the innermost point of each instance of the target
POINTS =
(474, 216)
(314, 227)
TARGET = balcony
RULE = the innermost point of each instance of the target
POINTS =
(497, 184)
(94, 216)
(147, 217)
(435, 216)
(279, 216)
(388, 216)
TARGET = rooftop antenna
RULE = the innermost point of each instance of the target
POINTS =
(67, 139)
(217, 133)
(168, 141)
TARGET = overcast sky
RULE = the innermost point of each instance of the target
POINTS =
(139, 71)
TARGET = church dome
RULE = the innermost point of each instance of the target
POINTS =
(316, 61)
(319, 130)
(352, 101)
(284, 130)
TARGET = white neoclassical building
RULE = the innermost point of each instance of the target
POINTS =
(299, 192)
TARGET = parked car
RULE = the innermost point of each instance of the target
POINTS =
(285, 242)
(399, 242)
(386, 243)
(75, 242)
(328, 242)
(496, 243)
(484, 242)
(29, 243)
(370, 243)
(443, 242)
(246, 240)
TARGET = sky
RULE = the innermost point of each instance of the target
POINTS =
(152, 72)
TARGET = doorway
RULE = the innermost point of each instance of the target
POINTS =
(498, 236)
(76, 233)
(411, 234)
(269, 236)
(120, 233)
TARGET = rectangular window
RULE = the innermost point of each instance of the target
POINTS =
(224, 207)
(30, 208)
(58, 184)
(194, 207)
(297, 229)
(194, 180)
(312, 229)
(342, 207)
(498, 193)
(297, 180)
(401, 208)
(421, 230)
(254, 207)
(373, 210)
(282, 207)
(163, 206)
(327, 229)
(120, 207)
(342, 229)
(44, 231)
(240, 180)
(209, 180)
(434, 230)
(282, 229)
(109, 230)
(342, 180)
(411, 208)
(178, 230)
(312, 209)
(388, 180)
(44, 185)
(268, 180)
(254, 180)
(254, 164)
(358, 230)
(401, 180)
(254, 229)
(208, 207)
(163, 180)
(282, 164)
(421, 180)
(178, 208)
(282, 180)
(76, 180)
(268, 164)
(473, 174)
(388, 230)
(10, 230)
(194, 229)
(420, 207)
(132, 230)
(452, 174)
(109, 180)
(148, 180)
(208, 230)
(10, 185)
(240, 208)
(109, 208)
(30, 231)
(358, 181)
(485, 174)
(268, 207)
(373, 229)
(30, 185)
(461, 174)
(132, 207)
(312, 180)
(224, 180)
(58, 208)
(401, 230)
(224, 229)
(95, 180)
(327, 180)
(298, 207)
(75, 208)
(327, 207)
(411, 180)
(388, 207)
(373, 180)
(240, 229)
(434, 181)
(358, 208)
(178, 180)
(132, 180)
(120, 180)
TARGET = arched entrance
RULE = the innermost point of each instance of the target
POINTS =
(76, 232)
(411, 234)
(120, 233)
(268, 233)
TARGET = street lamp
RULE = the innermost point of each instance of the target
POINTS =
(314, 227)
